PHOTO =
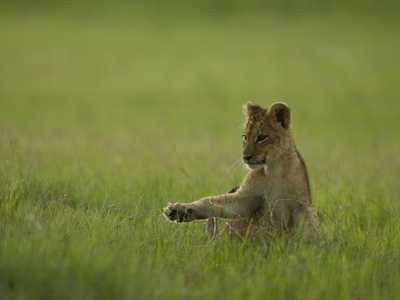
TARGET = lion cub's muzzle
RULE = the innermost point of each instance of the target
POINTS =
(254, 163)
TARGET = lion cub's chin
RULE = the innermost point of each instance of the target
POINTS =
(254, 166)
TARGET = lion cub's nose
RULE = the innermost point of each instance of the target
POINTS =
(247, 158)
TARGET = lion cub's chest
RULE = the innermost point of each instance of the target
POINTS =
(274, 192)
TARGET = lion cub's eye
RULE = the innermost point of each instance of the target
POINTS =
(261, 138)
(244, 138)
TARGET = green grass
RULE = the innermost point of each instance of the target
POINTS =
(110, 111)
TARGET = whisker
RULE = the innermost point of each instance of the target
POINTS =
(235, 165)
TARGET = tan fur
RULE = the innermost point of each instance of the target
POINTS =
(275, 193)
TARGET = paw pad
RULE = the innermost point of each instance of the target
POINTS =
(179, 213)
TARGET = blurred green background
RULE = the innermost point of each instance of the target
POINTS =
(160, 77)
(110, 109)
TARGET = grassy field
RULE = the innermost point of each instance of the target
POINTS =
(110, 111)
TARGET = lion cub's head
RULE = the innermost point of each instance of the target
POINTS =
(267, 134)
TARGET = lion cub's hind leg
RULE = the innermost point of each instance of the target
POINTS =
(212, 225)
(212, 228)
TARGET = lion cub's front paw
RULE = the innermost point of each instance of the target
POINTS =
(179, 212)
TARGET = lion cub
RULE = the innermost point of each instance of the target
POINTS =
(275, 193)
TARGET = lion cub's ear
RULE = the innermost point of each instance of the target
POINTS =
(248, 108)
(280, 112)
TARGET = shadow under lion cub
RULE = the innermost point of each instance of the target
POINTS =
(274, 195)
